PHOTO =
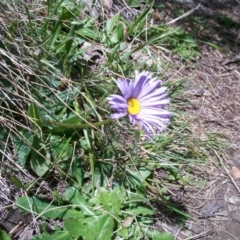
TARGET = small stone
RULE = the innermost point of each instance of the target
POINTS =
(198, 92)
(234, 200)
(232, 208)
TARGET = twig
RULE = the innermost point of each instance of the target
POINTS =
(232, 60)
(226, 170)
(184, 15)
(200, 235)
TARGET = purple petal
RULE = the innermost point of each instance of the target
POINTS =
(149, 89)
(158, 93)
(117, 102)
(116, 98)
(161, 113)
(159, 125)
(118, 115)
(145, 129)
(160, 103)
(126, 87)
(139, 82)
(118, 106)
(132, 119)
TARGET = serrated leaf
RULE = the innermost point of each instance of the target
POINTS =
(73, 227)
(46, 209)
(124, 233)
(91, 228)
(77, 199)
(110, 201)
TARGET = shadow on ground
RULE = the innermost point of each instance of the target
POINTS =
(216, 22)
(216, 27)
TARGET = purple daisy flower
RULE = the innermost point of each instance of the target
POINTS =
(143, 101)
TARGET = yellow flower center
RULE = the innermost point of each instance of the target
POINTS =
(133, 106)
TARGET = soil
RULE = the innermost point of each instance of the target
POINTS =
(214, 93)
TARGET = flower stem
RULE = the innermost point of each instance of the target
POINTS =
(81, 126)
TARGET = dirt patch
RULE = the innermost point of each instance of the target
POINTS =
(218, 110)
(214, 92)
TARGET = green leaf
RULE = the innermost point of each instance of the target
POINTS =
(124, 233)
(77, 172)
(55, 33)
(156, 235)
(153, 39)
(110, 24)
(74, 119)
(117, 34)
(61, 147)
(14, 180)
(145, 211)
(57, 235)
(74, 228)
(69, 11)
(43, 30)
(3, 138)
(102, 171)
(33, 113)
(136, 198)
(22, 145)
(39, 162)
(46, 209)
(76, 198)
(213, 45)
(64, 43)
(4, 235)
(92, 228)
(104, 228)
(138, 177)
(139, 21)
(88, 33)
(134, 3)
(110, 201)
